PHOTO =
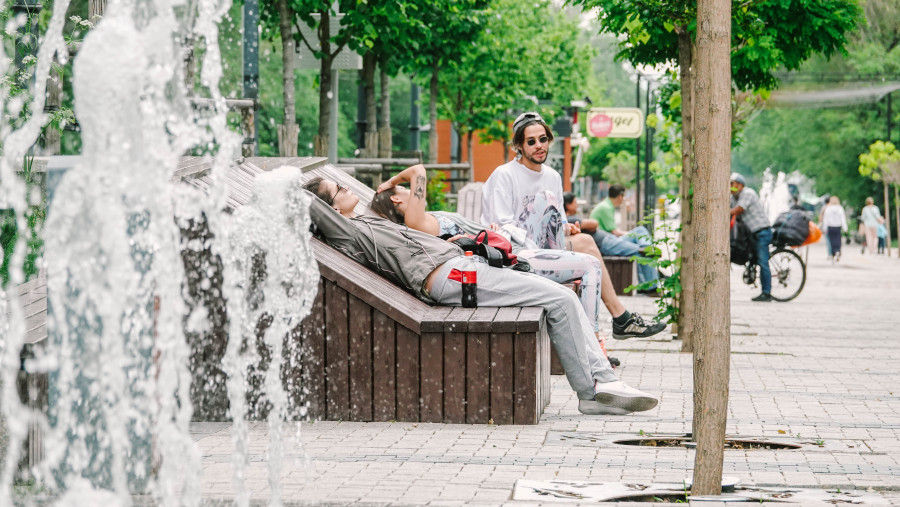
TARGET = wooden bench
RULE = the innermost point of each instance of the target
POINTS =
(410, 361)
(31, 386)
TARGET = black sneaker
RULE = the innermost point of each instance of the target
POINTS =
(765, 297)
(636, 328)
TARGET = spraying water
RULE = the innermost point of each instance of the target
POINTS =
(117, 356)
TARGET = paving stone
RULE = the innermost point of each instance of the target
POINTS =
(825, 366)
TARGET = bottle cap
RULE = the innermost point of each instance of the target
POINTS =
(469, 253)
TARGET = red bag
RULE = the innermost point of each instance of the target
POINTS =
(499, 242)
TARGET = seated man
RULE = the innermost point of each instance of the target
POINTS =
(527, 193)
(605, 215)
(429, 268)
(610, 244)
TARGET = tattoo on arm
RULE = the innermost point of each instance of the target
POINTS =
(419, 191)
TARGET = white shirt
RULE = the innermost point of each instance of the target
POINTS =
(834, 217)
(514, 194)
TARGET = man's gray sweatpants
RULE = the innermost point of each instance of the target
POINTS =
(568, 326)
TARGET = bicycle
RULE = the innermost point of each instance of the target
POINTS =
(788, 272)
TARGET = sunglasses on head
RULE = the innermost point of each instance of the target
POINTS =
(542, 140)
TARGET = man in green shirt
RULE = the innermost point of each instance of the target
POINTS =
(605, 215)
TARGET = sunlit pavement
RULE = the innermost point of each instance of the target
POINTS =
(822, 371)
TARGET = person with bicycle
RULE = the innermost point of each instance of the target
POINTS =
(746, 206)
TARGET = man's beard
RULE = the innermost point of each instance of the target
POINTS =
(534, 160)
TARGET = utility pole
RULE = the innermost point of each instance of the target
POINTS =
(251, 61)
(637, 153)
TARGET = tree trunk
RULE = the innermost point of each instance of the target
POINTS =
(470, 156)
(887, 238)
(289, 130)
(385, 142)
(371, 136)
(887, 220)
(432, 117)
(52, 136)
(710, 255)
(96, 8)
(685, 299)
(505, 142)
(320, 142)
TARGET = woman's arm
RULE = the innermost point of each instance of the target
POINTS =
(415, 216)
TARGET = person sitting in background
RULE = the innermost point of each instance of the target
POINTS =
(612, 245)
(605, 215)
(429, 268)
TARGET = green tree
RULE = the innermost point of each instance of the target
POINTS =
(765, 36)
(452, 26)
(509, 66)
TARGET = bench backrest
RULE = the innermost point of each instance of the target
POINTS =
(468, 201)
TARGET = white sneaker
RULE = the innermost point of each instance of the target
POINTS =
(591, 407)
(617, 394)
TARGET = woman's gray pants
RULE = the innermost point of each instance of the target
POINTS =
(568, 326)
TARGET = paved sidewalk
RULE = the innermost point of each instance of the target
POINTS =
(822, 369)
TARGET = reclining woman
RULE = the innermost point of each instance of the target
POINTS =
(428, 267)
(408, 206)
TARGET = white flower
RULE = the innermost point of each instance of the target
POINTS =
(75, 19)
(29, 60)
(86, 23)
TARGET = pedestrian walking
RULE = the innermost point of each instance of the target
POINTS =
(882, 237)
(834, 222)
(871, 217)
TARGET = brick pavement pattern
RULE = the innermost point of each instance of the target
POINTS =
(822, 369)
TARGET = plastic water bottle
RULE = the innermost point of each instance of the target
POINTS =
(469, 287)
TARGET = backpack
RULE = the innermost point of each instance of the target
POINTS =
(741, 242)
(790, 228)
(493, 247)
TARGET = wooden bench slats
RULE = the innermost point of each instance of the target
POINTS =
(526, 379)
(433, 319)
(360, 360)
(432, 377)
(502, 378)
(458, 319)
(337, 352)
(454, 383)
(384, 367)
(478, 375)
(529, 319)
(482, 319)
(506, 320)
(369, 287)
(407, 375)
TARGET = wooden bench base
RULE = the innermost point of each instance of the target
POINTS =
(372, 352)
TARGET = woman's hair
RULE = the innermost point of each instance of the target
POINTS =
(869, 200)
(315, 186)
(383, 206)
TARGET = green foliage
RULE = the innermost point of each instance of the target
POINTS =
(621, 168)
(881, 162)
(35, 215)
(436, 192)
(518, 58)
(661, 254)
(766, 34)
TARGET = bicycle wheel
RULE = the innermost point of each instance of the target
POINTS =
(788, 274)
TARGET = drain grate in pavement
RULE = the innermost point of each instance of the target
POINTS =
(682, 441)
